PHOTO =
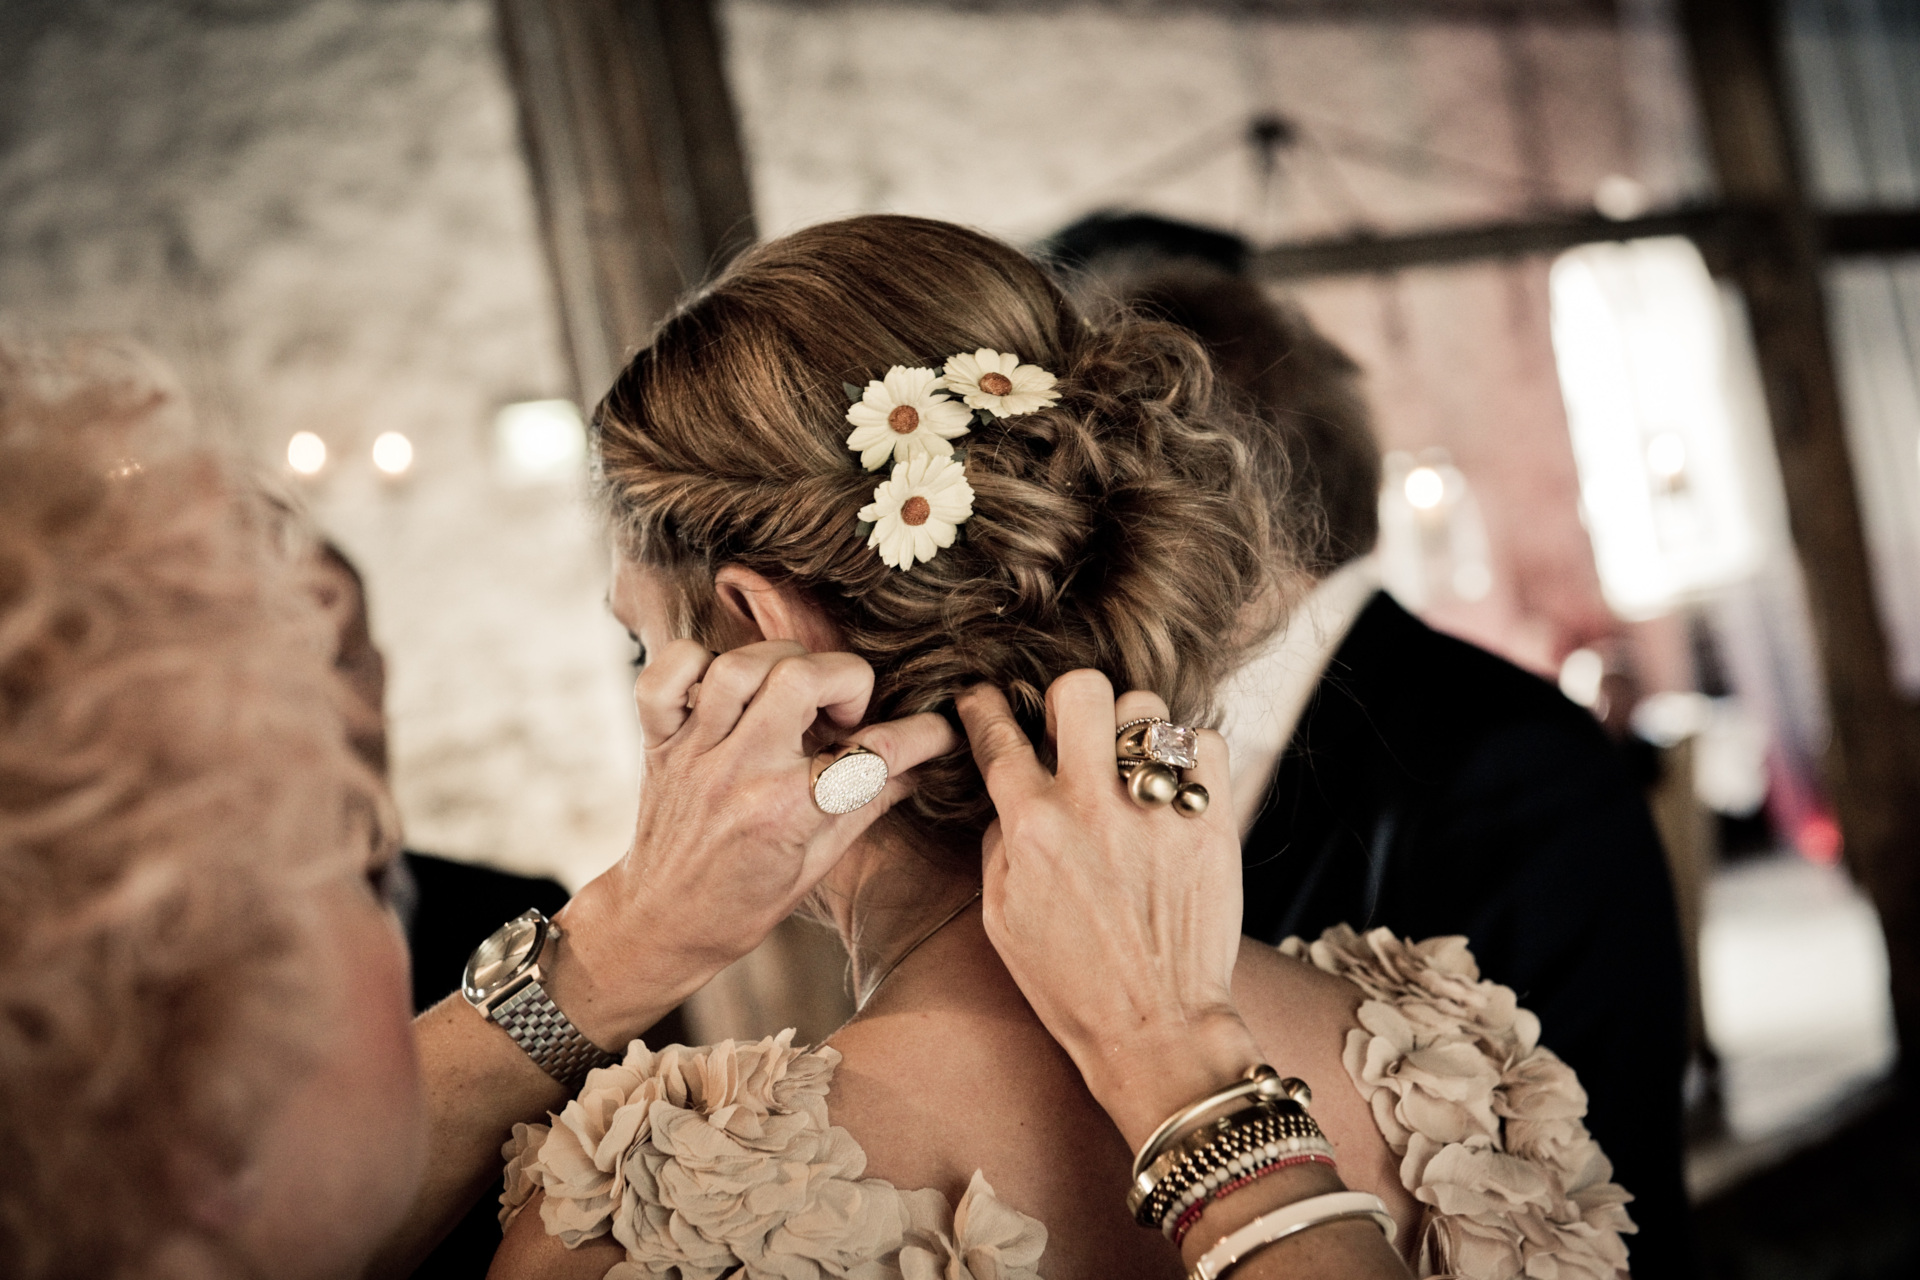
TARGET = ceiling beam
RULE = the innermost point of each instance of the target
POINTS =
(1585, 13)
(1723, 232)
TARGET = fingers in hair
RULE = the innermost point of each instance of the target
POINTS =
(798, 688)
(1000, 747)
(732, 681)
(1082, 710)
(660, 691)
(904, 744)
(1139, 704)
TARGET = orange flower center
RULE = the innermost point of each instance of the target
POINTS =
(905, 419)
(996, 384)
(915, 510)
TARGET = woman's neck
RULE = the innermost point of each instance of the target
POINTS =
(887, 901)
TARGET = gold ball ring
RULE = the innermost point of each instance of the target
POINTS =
(1148, 752)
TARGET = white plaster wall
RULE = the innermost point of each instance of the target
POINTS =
(318, 212)
(1017, 122)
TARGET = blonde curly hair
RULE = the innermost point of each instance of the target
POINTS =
(1126, 528)
(173, 771)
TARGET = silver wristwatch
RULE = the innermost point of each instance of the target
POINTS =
(503, 982)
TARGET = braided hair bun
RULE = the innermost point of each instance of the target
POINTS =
(1121, 529)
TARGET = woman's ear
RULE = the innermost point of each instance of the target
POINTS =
(764, 611)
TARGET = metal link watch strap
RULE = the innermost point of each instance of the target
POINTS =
(536, 1024)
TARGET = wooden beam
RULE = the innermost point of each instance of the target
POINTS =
(634, 147)
(1871, 231)
(1723, 232)
(1873, 763)
(1362, 253)
(1561, 13)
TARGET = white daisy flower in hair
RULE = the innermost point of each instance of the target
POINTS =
(918, 509)
(904, 415)
(997, 382)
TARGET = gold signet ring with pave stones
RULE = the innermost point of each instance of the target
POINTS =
(847, 777)
(1148, 751)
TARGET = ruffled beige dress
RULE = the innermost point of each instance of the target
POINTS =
(720, 1161)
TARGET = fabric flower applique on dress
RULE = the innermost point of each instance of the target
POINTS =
(1486, 1120)
(998, 383)
(918, 510)
(721, 1162)
(904, 415)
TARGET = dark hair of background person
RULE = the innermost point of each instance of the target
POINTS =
(1320, 454)
(1123, 529)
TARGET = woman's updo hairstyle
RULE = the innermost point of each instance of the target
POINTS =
(1120, 529)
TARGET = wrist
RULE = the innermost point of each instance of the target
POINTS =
(1143, 1077)
(613, 981)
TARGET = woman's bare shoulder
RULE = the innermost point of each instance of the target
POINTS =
(1300, 1003)
(960, 1076)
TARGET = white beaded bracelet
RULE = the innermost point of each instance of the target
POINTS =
(1289, 1220)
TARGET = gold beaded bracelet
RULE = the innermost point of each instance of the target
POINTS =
(1255, 1084)
(1262, 1108)
(1215, 1154)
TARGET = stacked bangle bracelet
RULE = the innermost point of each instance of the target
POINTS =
(1229, 1138)
(1256, 1085)
(1186, 1211)
(1224, 1151)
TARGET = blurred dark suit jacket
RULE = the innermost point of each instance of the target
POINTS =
(1433, 788)
(450, 909)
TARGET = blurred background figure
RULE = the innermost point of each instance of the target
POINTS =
(1391, 776)
(1631, 286)
(207, 1054)
(443, 905)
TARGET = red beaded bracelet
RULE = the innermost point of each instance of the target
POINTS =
(1191, 1215)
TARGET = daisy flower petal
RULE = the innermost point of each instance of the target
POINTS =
(997, 382)
(918, 509)
(905, 415)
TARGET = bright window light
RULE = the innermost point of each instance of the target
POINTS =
(1667, 455)
(392, 453)
(540, 440)
(1640, 342)
(306, 453)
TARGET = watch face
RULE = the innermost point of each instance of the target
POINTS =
(501, 955)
